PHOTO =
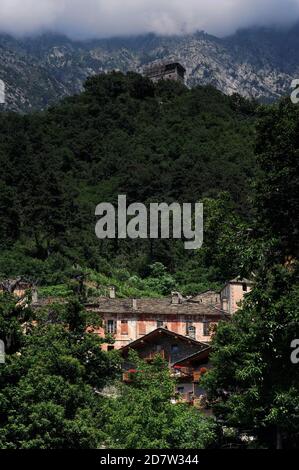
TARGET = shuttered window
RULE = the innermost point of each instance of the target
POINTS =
(124, 327)
(141, 328)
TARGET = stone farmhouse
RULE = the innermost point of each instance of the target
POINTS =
(127, 320)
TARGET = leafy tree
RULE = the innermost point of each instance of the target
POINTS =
(143, 417)
(253, 383)
(159, 280)
(50, 387)
(276, 188)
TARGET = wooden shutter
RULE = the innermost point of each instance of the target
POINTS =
(124, 327)
(141, 327)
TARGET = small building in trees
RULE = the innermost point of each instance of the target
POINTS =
(18, 287)
(166, 71)
(187, 359)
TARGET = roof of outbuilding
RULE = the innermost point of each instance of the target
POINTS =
(239, 280)
(162, 331)
(199, 356)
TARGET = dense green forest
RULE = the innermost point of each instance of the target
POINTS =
(124, 135)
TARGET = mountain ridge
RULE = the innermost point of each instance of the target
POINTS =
(257, 63)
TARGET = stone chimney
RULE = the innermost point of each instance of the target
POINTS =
(176, 298)
(112, 292)
(34, 295)
(134, 304)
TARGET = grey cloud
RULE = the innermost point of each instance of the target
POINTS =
(104, 18)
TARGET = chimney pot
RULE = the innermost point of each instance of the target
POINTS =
(176, 298)
(112, 292)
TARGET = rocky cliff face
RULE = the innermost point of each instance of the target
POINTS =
(259, 63)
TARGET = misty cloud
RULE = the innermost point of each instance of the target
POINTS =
(104, 18)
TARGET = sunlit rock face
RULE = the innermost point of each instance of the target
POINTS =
(259, 63)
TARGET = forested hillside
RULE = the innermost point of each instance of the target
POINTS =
(166, 143)
(123, 135)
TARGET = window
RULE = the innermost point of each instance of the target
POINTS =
(181, 390)
(141, 328)
(244, 286)
(190, 329)
(111, 327)
(188, 325)
(124, 327)
(192, 332)
(174, 348)
(159, 324)
(110, 348)
(206, 328)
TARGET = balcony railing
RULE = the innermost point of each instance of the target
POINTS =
(183, 373)
(154, 354)
(197, 376)
(188, 373)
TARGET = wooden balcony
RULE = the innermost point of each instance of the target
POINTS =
(196, 376)
(183, 373)
(154, 354)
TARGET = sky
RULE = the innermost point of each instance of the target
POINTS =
(107, 18)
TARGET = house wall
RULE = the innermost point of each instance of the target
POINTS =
(235, 293)
(208, 298)
(19, 291)
(166, 75)
(140, 325)
(186, 390)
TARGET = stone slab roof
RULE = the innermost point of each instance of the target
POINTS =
(153, 306)
(152, 336)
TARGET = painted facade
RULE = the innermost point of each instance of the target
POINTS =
(128, 320)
